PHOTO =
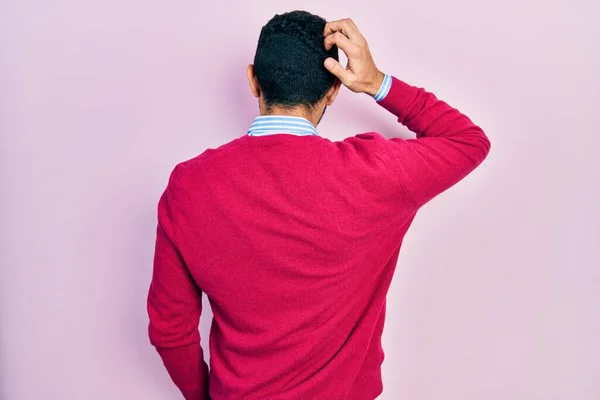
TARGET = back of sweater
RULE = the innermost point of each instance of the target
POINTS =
(294, 239)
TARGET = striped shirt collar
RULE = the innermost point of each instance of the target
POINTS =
(265, 125)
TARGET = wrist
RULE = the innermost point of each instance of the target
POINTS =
(375, 85)
(384, 89)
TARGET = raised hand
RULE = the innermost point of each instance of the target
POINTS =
(360, 75)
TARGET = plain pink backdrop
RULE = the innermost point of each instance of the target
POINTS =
(497, 292)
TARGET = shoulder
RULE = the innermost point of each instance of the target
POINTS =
(368, 140)
(368, 144)
(366, 136)
(189, 169)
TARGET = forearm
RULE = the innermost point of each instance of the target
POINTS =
(188, 370)
(447, 148)
(427, 116)
(177, 341)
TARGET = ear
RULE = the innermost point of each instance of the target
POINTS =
(254, 87)
(332, 92)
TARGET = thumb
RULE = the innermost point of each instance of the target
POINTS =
(336, 69)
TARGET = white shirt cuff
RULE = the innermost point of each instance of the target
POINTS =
(384, 89)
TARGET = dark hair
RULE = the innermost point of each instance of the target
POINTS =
(289, 60)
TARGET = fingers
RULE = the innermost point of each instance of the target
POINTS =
(342, 42)
(360, 73)
(346, 26)
(351, 22)
(340, 72)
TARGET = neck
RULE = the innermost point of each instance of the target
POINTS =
(291, 112)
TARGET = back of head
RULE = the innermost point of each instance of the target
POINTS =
(289, 60)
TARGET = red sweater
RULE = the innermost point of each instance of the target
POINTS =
(295, 239)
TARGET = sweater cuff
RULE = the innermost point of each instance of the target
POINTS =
(188, 370)
(399, 97)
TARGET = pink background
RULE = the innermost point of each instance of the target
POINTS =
(497, 294)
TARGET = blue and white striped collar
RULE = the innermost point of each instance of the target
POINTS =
(265, 125)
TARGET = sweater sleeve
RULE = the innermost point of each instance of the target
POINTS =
(175, 305)
(448, 146)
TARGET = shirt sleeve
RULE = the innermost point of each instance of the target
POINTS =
(175, 305)
(384, 89)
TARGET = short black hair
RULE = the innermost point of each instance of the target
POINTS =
(289, 60)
